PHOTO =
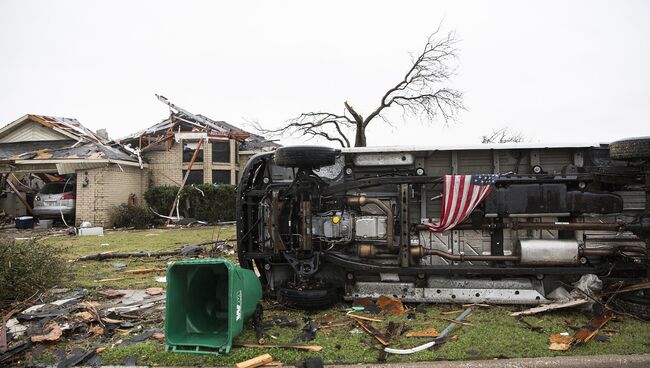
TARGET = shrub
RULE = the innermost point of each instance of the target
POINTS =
(128, 215)
(161, 198)
(211, 203)
(205, 202)
(27, 267)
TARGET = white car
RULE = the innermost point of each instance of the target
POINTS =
(56, 199)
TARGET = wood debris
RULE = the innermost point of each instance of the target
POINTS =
(158, 336)
(588, 331)
(96, 330)
(549, 307)
(376, 334)
(113, 279)
(111, 293)
(155, 291)
(255, 362)
(560, 339)
(274, 363)
(451, 312)
(390, 305)
(355, 316)
(54, 333)
(561, 342)
(86, 316)
(427, 332)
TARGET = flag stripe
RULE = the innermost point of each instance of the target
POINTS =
(462, 193)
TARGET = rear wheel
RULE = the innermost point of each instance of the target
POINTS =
(636, 304)
(316, 297)
(630, 149)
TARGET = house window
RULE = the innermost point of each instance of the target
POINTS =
(221, 151)
(195, 177)
(188, 151)
(221, 176)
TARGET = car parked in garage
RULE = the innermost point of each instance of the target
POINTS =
(56, 200)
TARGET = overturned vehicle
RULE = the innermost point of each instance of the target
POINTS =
(499, 224)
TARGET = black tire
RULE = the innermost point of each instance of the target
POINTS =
(637, 304)
(308, 298)
(630, 149)
(308, 157)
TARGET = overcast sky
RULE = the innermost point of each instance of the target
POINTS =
(556, 71)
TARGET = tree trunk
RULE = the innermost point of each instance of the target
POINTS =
(360, 139)
(360, 135)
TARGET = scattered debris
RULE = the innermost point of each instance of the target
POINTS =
(454, 321)
(314, 348)
(537, 329)
(390, 305)
(111, 293)
(155, 290)
(427, 332)
(376, 334)
(309, 331)
(53, 334)
(145, 270)
(76, 356)
(255, 362)
(355, 316)
(549, 307)
(111, 279)
(586, 333)
(563, 341)
(441, 339)
(313, 362)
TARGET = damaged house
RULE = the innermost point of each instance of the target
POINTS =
(221, 149)
(36, 150)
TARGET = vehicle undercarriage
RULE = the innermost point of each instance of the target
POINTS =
(318, 223)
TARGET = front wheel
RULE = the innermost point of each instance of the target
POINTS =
(305, 157)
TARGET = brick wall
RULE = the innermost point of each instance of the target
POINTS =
(100, 189)
(165, 166)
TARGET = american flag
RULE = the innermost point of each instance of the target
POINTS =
(461, 194)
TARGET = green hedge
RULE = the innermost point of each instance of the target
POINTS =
(205, 202)
(128, 215)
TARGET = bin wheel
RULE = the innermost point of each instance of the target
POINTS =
(313, 298)
(630, 149)
(308, 157)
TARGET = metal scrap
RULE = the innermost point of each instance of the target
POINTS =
(440, 339)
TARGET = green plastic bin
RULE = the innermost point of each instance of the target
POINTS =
(208, 301)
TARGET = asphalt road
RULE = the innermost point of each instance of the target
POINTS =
(601, 361)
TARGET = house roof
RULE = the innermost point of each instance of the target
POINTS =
(68, 127)
(183, 120)
(77, 142)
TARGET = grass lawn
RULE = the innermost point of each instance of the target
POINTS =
(493, 333)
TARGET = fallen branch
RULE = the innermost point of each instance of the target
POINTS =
(377, 335)
(287, 346)
(113, 255)
(145, 270)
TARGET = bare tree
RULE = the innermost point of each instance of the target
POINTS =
(420, 92)
(503, 135)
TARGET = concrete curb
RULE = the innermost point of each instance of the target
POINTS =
(591, 361)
